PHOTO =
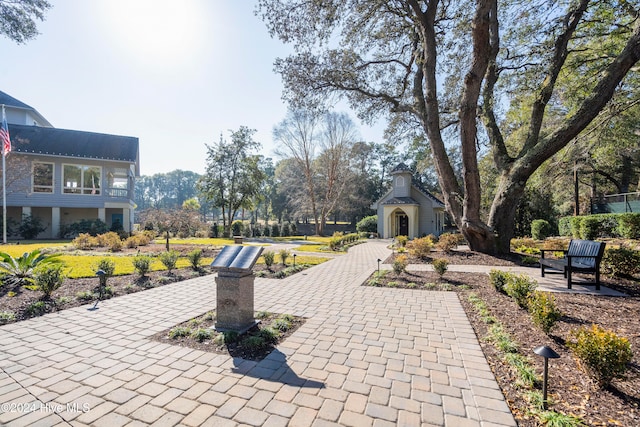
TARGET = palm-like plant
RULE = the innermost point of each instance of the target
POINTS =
(20, 270)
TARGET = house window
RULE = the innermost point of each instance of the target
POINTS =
(400, 181)
(42, 178)
(78, 179)
(118, 182)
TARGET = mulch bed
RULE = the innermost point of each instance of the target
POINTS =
(20, 300)
(570, 389)
(238, 347)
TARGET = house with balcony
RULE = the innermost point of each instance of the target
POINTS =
(407, 209)
(63, 176)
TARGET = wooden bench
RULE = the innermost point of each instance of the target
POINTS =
(583, 256)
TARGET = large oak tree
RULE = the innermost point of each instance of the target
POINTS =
(455, 67)
(18, 18)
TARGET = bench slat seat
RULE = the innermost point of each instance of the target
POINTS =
(583, 256)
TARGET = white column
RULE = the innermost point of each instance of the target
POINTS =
(55, 223)
(26, 211)
(127, 219)
(102, 215)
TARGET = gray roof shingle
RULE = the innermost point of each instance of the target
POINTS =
(73, 143)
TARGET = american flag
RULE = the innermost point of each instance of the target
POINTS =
(4, 134)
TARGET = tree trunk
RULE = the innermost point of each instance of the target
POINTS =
(503, 210)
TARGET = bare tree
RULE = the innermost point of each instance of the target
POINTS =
(320, 146)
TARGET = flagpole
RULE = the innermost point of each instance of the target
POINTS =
(4, 196)
(4, 188)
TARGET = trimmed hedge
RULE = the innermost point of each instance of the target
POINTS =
(368, 224)
(589, 227)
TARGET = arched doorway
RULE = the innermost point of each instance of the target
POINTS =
(401, 224)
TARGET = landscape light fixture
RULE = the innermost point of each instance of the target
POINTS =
(379, 266)
(102, 277)
(294, 260)
(547, 353)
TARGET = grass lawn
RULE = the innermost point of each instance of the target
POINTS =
(17, 250)
(84, 264)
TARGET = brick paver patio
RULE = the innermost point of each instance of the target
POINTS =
(366, 356)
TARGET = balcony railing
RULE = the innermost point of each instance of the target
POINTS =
(118, 192)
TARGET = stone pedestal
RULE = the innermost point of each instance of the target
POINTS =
(234, 310)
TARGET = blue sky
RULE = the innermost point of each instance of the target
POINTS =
(174, 74)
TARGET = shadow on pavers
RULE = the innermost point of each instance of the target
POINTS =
(273, 368)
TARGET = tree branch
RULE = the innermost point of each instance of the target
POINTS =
(570, 22)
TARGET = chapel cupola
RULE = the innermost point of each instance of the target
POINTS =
(401, 180)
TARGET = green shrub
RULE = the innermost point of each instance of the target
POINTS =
(230, 336)
(519, 287)
(402, 241)
(169, 259)
(284, 254)
(440, 266)
(288, 317)
(36, 308)
(275, 230)
(603, 354)
(281, 324)
(193, 323)
(269, 335)
(254, 343)
(629, 225)
(286, 272)
(622, 261)
(499, 279)
(589, 228)
(179, 331)
(48, 278)
(420, 248)
(85, 296)
(107, 265)
(142, 264)
(202, 334)
(84, 241)
(564, 226)
(92, 227)
(540, 229)
(543, 309)
(30, 227)
(269, 258)
(285, 230)
(575, 226)
(336, 241)
(142, 239)
(625, 225)
(368, 224)
(400, 263)
(20, 270)
(447, 242)
(237, 227)
(7, 317)
(110, 240)
(195, 258)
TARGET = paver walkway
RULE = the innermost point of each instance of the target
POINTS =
(366, 356)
